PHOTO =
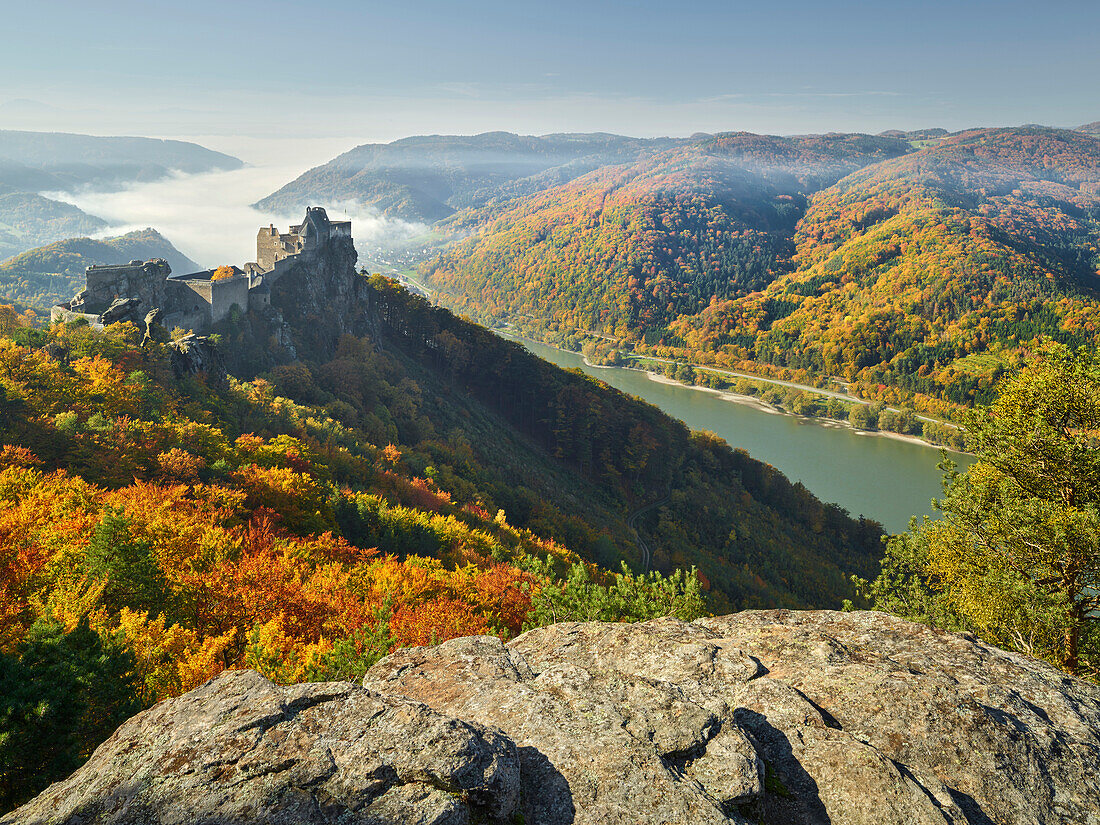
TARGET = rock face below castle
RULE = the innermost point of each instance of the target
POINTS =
(799, 718)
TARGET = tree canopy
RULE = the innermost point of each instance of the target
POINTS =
(1016, 555)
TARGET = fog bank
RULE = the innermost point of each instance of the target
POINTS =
(208, 216)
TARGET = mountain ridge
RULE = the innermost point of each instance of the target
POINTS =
(907, 257)
(641, 244)
(67, 160)
(456, 172)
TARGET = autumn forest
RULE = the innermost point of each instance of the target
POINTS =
(923, 270)
(428, 482)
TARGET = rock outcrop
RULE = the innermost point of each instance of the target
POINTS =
(762, 716)
(197, 355)
(121, 309)
(240, 749)
(314, 298)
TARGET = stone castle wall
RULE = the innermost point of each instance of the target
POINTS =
(144, 280)
(280, 268)
(272, 247)
(196, 301)
(220, 296)
(199, 302)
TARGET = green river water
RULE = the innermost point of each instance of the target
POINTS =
(882, 478)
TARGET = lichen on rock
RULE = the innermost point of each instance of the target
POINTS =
(240, 749)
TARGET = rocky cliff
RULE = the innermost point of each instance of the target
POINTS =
(319, 295)
(313, 298)
(773, 717)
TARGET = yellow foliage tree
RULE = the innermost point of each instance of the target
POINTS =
(223, 272)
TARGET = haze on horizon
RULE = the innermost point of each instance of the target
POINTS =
(349, 72)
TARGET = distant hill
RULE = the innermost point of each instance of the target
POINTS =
(29, 220)
(918, 138)
(52, 274)
(35, 162)
(1090, 128)
(56, 161)
(907, 271)
(837, 255)
(19, 177)
(802, 163)
(429, 178)
(915, 134)
(626, 250)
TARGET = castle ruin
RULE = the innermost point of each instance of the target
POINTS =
(197, 300)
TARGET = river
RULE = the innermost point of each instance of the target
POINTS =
(885, 479)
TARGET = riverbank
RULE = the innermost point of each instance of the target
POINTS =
(751, 400)
(845, 396)
(735, 398)
(764, 406)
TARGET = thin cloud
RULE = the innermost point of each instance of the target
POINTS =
(741, 96)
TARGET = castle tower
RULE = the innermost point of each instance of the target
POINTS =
(312, 233)
(314, 230)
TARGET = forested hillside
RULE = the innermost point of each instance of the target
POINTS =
(623, 249)
(434, 414)
(921, 269)
(54, 273)
(627, 250)
(572, 458)
(928, 271)
(28, 220)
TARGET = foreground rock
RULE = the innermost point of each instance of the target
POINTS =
(773, 717)
(777, 716)
(239, 749)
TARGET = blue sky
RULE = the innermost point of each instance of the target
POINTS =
(377, 71)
